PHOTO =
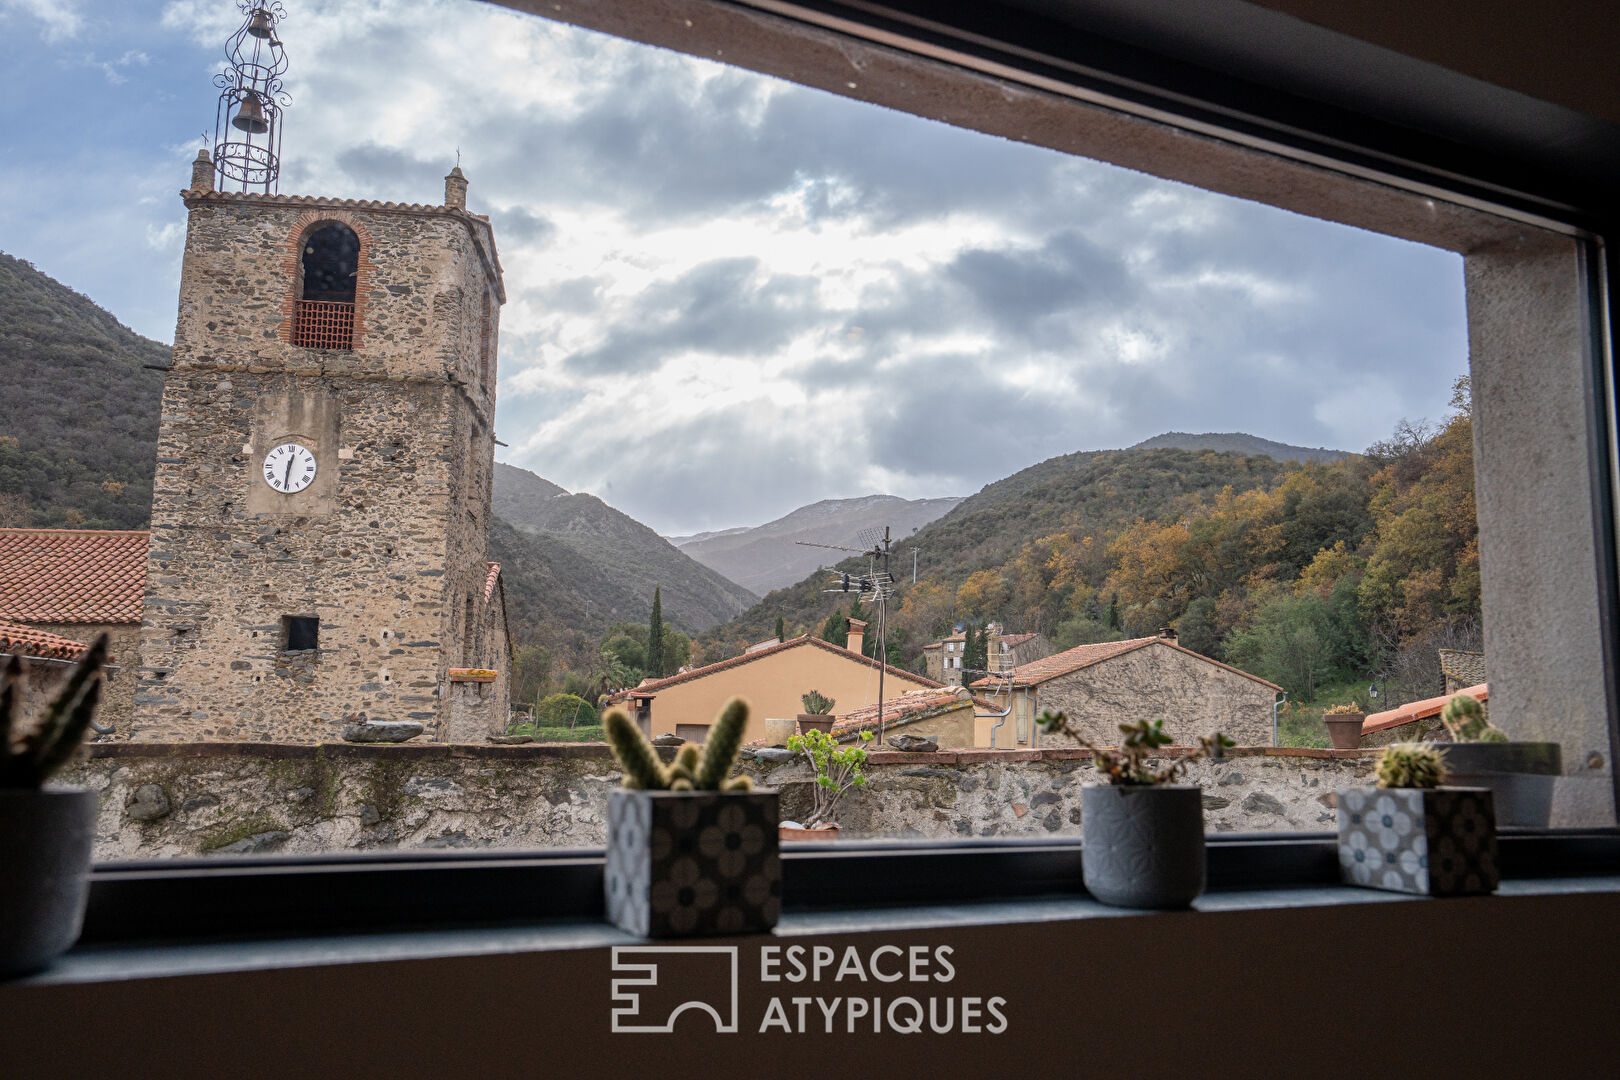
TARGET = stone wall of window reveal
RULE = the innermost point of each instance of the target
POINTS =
(164, 800)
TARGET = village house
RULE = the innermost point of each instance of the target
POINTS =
(1004, 652)
(1099, 687)
(949, 715)
(772, 678)
(71, 585)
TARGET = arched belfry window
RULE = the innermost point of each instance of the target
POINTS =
(328, 268)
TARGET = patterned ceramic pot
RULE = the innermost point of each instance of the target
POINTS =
(1436, 842)
(691, 863)
(1144, 846)
(45, 840)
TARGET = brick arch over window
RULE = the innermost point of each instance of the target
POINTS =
(310, 325)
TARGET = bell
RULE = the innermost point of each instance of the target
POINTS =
(250, 117)
(259, 25)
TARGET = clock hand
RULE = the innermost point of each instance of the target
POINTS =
(286, 480)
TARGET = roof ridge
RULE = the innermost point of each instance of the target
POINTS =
(759, 654)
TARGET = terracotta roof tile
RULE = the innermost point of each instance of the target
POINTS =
(72, 575)
(750, 657)
(1083, 656)
(1418, 710)
(26, 641)
(909, 707)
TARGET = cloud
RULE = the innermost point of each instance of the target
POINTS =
(59, 19)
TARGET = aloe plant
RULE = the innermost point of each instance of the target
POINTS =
(692, 769)
(818, 704)
(28, 760)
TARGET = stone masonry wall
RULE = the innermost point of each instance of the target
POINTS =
(124, 646)
(233, 798)
(1193, 696)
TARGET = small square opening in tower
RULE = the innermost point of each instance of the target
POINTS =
(300, 633)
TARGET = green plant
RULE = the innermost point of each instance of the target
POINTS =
(692, 769)
(28, 761)
(1128, 763)
(1464, 717)
(838, 769)
(1350, 709)
(817, 704)
(1411, 765)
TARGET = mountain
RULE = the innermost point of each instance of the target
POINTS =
(768, 556)
(1236, 442)
(572, 549)
(79, 410)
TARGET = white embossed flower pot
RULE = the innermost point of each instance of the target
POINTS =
(1432, 842)
(1144, 845)
(693, 863)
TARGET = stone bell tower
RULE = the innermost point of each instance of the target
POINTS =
(321, 508)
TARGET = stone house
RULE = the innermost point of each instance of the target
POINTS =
(1104, 685)
(772, 679)
(74, 584)
(1006, 651)
(46, 660)
(949, 714)
(321, 507)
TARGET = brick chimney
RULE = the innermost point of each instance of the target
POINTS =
(1167, 632)
(455, 189)
(857, 633)
(202, 172)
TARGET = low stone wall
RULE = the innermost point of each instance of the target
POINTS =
(162, 800)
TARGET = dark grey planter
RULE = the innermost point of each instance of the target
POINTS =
(1431, 842)
(1521, 776)
(45, 843)
(693, 863)
(1144, 846)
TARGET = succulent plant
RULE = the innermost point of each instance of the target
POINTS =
(693, 769)
(29, 760)
(1350, 709)
(817, 704)
(1128, 763)
(1464, 717)
(838, 769)
(1411, 765)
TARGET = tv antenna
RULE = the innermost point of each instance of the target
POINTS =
(874, 586)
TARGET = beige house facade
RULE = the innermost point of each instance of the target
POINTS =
(1099, 687)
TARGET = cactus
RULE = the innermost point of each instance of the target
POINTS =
(818, 704)
(30, 761)
(1464, 717)
(693, 769)
(1411, 765)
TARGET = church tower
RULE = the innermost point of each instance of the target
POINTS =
(321, 508)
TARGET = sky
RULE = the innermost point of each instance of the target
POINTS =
(728, 295)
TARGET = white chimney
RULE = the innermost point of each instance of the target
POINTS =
(857, 634)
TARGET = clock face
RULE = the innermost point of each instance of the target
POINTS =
(289, 468)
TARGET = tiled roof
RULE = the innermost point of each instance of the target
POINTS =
(1467, 668)
(72, 575)
(1083, 656)
(26, 641)
(490, 579)
(750, 657)
(1418, 710)
(908, 708)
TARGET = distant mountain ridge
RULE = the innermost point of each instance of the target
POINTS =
(768, 556)
(1237, 442)
(573, 549)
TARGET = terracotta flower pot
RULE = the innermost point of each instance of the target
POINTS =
(45, 843)
(815, 722)
(1344, 730)
(825, 832)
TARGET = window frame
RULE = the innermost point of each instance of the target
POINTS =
(194, 898)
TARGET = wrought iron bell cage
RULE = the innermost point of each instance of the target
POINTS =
(247, 121)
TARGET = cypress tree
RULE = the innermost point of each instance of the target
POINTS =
(1113, 612)
(781, 629)
(655, 636)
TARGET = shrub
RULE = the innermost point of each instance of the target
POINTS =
(564, 710)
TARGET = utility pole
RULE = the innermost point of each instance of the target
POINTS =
(875, 585)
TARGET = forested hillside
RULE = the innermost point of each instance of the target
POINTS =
(78, 412)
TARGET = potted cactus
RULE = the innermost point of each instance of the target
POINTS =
(1143, 834)
(691, 849)
(818, 713)
(839, 768)
(1344, 726)
(45, 833)
(1520, 775)
(1409, 834)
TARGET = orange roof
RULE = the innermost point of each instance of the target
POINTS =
(26, 641)
(749, 657)
(910, 706)
(1418, 710)
(72, 575)
(1083, 656)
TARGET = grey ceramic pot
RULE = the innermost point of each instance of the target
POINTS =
(1144, 846)
(45, 841)
(1521, 776)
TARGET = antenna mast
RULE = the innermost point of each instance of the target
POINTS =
(877, 584)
